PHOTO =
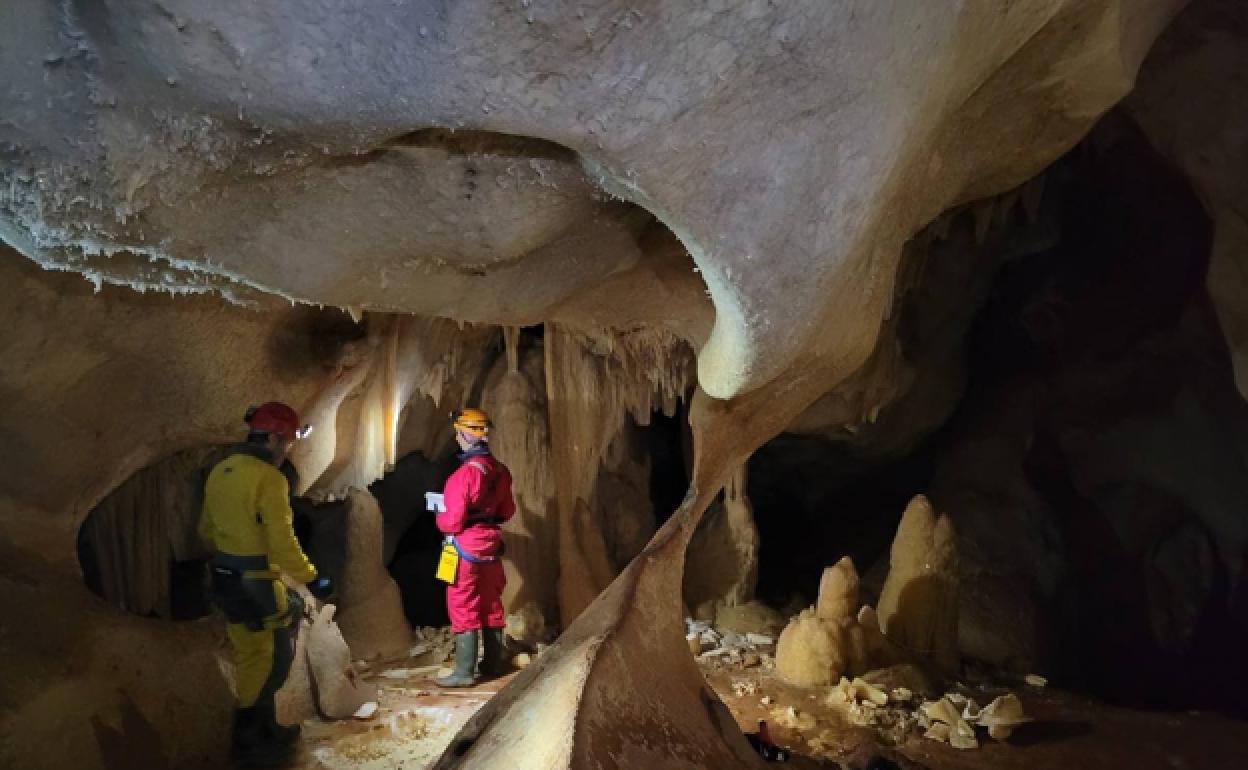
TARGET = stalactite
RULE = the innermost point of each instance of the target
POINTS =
(511, 340)
(407, 358)
(593, 383)
(315, 455)
(392, 399)
(516, 401)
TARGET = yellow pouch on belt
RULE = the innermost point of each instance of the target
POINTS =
(448, 564)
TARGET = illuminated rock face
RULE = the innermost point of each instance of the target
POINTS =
(450, 161)
(461, 162)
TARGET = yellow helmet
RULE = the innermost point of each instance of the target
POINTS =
(472, 421)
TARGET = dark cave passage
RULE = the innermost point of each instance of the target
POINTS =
(1090, 466)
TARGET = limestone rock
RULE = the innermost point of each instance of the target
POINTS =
(946, 724)
(750, 618)
(918, 607)
(527, 625)
(1001, 716)
(879, 651)
(722, 565)
(902, 676)
(370, 608)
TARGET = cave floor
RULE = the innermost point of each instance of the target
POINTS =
(414, 723)
(416, 720)
(1069, 732)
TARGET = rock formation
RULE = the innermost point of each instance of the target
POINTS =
(918, 608)
(824, 643)
(723, 555)
(370, 611)
(688, 200)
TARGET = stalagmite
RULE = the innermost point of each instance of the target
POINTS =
(825, 642)
(838, 590)
(817, 652)
(880, 651)
(918, 607)
(370, 610)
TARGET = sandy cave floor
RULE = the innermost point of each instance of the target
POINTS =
(417, 720)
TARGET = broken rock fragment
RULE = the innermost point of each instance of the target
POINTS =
(1002, 716)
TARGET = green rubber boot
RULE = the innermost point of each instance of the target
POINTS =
(465, 662)
(284, 735)
(494, 662)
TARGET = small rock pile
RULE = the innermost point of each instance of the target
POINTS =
(729, 648)
(950, 719)
(953, 719)
(891, 712)
(436, 642)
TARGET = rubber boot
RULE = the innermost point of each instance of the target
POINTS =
(251, 745)
(465, 662)
(283, 735)
(494, 662)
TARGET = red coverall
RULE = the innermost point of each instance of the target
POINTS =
(478, 499)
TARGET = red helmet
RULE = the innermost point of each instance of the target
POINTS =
(276, 417)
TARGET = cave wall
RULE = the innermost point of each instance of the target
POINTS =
(1097, 463)
(1092, 456)
(793, 150)
(1190, 103)
(175, 372)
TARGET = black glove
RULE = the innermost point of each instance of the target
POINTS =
(322, 588)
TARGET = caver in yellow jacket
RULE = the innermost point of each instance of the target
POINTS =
(248, 524)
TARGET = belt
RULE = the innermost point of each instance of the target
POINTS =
(247, 567)
(469, 557)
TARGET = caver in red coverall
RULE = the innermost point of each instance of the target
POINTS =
(478, 500)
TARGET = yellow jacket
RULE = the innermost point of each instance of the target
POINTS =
(247, 513)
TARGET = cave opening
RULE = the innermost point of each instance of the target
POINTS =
(138, 549)
(1088, 463)
(669, 444)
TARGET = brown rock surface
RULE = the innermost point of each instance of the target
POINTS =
(370, 610)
